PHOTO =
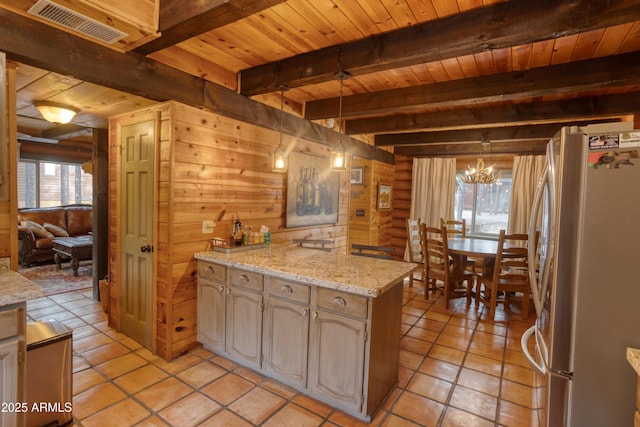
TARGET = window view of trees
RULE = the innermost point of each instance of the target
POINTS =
(485, 207)
(42, 184)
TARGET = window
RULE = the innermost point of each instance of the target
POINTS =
(485, 207)
(42, 184)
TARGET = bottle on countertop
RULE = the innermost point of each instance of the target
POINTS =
(245, 237)
(237, 231)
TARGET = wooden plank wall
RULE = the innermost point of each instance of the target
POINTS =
(9, 207)
(374, 226)
(210, 168)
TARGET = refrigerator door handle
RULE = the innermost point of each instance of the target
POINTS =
(537, 293)
(541, 369)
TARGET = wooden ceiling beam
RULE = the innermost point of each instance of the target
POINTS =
(66, 131)
(519, 133)
(511, 23)
(476, 148)
(540, 112)
(599, 73)
(181, 20)
(36, 44)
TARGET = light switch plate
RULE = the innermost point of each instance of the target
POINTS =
(208, 227)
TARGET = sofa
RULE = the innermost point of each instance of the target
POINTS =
(38, 227)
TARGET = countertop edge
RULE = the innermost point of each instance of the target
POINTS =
(331, 284)
(15, 288)
(633, 357)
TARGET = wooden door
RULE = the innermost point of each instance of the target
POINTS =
(337, 358)
(244, 326)
(137, 200)
(286, 341)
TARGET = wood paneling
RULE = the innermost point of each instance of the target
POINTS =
(210, 167)
(374, 226)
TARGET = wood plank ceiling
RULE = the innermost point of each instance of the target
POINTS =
(428, 77)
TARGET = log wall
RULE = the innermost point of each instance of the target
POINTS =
(209, 168)
(401, 204)
(371, 226)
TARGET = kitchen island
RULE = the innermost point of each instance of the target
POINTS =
(324, 323)
(15, 291)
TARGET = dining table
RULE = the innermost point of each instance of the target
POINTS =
(480, 249)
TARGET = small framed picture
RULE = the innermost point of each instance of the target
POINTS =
(357, 175)
(384, 197)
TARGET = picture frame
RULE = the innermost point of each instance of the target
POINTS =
(312, 196)
(384, 197)
(357, 175)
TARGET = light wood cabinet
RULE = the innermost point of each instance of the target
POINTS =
(211, 314)
(337, 358)
(12, 356)
(339, 347)
(286, 338)
(244, 326)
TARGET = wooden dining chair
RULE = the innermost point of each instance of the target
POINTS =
(458, 228)
(455, 228)
(414, 248)
(509, 277)
(439, 268)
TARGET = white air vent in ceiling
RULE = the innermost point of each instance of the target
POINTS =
(73, 20)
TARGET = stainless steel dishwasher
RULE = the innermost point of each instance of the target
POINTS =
(49, 374)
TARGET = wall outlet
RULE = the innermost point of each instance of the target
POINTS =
(208, 227)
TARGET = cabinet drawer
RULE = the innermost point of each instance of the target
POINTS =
(246, 279)
(356, 305)
(212, 271)
(9, 323)
(289, 290)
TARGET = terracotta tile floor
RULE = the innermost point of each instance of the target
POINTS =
(456, 369)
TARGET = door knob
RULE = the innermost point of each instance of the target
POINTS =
(146, 248)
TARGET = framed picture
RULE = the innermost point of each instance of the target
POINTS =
(357, 175)
(312, 191)
(384, 197)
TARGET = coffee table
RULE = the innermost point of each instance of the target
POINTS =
(76, 248)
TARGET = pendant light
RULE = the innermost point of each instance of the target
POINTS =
(280, 154)
(338, 154)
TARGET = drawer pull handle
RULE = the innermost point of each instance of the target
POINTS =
(210, 270)
(304, 312)
(340, 302)
(228, 291)
(244, 278)
(315, 315)
(221, 289)
(286, 289)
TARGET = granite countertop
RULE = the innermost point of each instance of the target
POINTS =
(633, 357)
(354, 274)
(15, 288)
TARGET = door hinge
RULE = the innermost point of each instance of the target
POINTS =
(20, 357)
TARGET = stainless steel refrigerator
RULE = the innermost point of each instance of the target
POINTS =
(586, 287)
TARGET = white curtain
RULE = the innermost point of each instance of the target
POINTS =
(433, 190)
(527, 171)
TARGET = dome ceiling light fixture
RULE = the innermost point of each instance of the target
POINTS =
(56, 112)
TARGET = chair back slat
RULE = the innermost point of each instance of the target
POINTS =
(455, 228)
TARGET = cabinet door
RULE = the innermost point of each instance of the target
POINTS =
(336, 359)
(211, 327)
(244, 325)
(9, 380)
(286, 341)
